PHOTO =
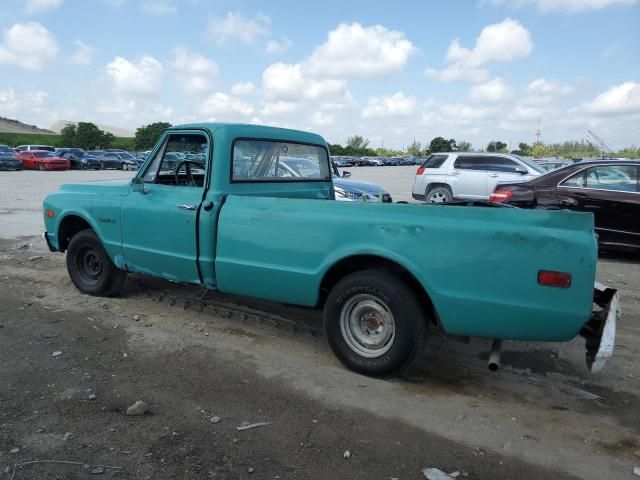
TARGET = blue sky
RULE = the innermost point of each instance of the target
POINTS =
(476, 70)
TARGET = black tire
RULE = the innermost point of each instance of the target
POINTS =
(124, 167)
(440, 194)
(90, 268)
(381, 288)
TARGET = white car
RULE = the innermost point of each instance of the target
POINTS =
(445, 176)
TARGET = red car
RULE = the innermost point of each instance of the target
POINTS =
(42, 160)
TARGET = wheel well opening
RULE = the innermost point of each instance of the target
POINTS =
(436, 185)
(68, 228)
(356, 263)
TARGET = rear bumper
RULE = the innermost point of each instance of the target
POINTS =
(600, 330)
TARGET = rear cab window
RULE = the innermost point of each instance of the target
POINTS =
(278, 161)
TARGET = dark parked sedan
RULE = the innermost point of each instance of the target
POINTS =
(609, 189)
(79, 159)
(8, 161)
(119, 159)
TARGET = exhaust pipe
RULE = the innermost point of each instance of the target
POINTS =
(494, 356)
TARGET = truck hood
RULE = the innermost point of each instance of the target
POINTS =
(99, 187)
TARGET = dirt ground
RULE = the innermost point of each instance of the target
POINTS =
(192, 355)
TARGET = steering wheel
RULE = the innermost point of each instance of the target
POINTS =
(190, 182)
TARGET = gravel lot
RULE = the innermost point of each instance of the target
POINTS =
(192, 355)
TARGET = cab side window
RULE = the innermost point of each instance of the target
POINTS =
(181, 161)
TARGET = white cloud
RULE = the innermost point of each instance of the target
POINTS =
(143, 77)
(243, 89)
(541, 86)
(357, 51)
(14, 103)
(196, 73)
(279, 107)
(494, 91)
(282, 81)
(28, 45)
(137, 110)
(500, 42)
(396, 105)
(83, 53)
(458, 73)
(619, 100)
(39, 6)
(278, 46)
(157, 7)
(569, 6)
(458, 114)
(322, 119)
(219, 103)
(237, 26)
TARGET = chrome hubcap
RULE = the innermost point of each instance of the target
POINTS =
(367, 326)
(438, 197)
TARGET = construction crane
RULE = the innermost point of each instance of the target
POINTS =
(603, 146)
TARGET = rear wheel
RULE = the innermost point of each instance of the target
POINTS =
(90, 268)
(438, 194)
(374, 322)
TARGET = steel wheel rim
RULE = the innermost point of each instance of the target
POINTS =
(438, 197)
(89, 265)
(367, 326)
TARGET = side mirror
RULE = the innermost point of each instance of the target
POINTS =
(346, 174)
(137, 185)
(521, 170)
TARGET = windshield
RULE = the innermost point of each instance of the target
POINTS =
(531, 164)
(127, 156)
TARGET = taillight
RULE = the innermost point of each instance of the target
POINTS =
(554, 279)
(420, 170)
(501, 196)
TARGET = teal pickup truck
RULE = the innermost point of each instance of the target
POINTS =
(250, 210)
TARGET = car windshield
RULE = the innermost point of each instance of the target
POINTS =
(43, 154)
(126, 156)
(531, 164)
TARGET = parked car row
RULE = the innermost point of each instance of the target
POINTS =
(351, 161)
(609, 189)
(45, 157)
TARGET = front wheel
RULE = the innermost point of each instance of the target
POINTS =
(90, 268)
(439, 195)
(374, 323)
(125, 167)
(41, 167)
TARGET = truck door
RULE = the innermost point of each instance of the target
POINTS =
(160, 222)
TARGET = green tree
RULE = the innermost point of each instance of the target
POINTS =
(147, 135)
(357, 141)
(464, 146)
(440, 144)
(89, 136)
(414, 148)
(539, 150)
(68, 135)
(524, 149)
(496, 146)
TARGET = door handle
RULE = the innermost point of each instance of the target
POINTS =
(494, 175)
(186, 207)
(455, 173)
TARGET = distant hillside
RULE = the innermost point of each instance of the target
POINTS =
(116, 131)
(8, 125)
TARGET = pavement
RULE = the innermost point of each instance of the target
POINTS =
(192, 355)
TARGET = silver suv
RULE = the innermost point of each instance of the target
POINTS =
(469, 175)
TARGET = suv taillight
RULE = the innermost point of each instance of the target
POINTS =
(420, 170)
(501, 196)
